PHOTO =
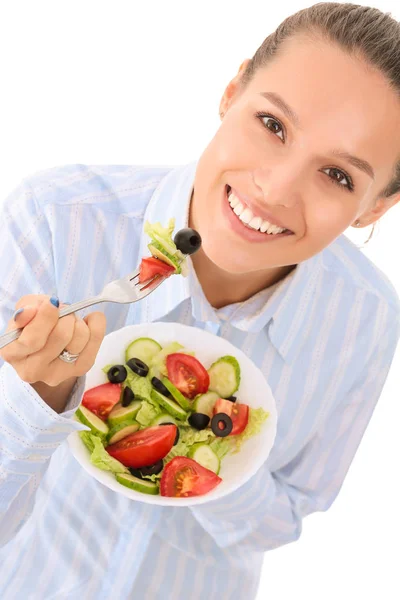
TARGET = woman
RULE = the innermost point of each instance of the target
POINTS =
(308, 146)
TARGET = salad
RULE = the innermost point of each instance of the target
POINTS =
(163, 422)
(168, 255)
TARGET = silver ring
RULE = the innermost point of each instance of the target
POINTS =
(68, 357)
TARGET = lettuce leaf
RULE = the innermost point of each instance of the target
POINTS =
(188, 436)
(257, 416)
(107, 368)
(147, 413)
(140, 386)
(86, 437)
(99, 457)
(222, 446)
(163, 235)
(233, 444)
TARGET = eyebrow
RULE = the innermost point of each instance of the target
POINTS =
(357, 162)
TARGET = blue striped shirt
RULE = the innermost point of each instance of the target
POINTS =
(324, 337)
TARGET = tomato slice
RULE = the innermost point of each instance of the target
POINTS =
(152, 266)
(183, 477)
(144, 448)
(187, 374)
(239, 413)
(102, 398)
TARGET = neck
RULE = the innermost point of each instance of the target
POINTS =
(222, 288)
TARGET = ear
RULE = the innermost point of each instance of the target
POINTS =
(381, 206)
(231, 89)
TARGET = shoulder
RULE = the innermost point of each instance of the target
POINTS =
(116, 188)
(343, 259)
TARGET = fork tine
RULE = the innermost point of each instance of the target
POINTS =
(150, 286)
(133, 275)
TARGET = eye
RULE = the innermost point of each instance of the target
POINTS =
(339, 176)
(275, 126)
(271, 123)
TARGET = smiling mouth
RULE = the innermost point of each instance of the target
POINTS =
(250, 219)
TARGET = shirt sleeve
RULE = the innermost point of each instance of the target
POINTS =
(30, 431)
(267, 512)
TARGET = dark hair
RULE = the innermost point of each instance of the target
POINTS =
(364, 32)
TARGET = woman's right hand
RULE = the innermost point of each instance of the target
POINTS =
(35, 354)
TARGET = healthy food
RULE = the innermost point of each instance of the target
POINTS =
(157, 424)
(163, 421)
(168, 255)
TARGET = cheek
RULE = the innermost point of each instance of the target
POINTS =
(235, 145)
(325, 221)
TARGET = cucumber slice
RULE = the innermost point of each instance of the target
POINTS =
(204, 403)
(160, 252)
(224, 376)
(205, 456)
(143, 348)
(118, 432)
(88, 418)
(139, 485)
(120, 414)
(177, 395)
(163, 418)
(169, 405)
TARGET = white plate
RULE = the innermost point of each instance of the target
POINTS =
(236, 469)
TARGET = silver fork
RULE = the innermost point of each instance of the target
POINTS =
(121, 291)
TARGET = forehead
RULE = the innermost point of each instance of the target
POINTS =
(339, 100)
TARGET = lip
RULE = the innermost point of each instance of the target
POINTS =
(247, 233)
(256, 210)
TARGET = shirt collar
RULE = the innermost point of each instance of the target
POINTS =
(287, 313)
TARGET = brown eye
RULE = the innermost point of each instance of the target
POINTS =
(272, 124)
(340, 178)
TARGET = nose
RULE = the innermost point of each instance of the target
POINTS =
(278, 185)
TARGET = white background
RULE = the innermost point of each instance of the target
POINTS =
(139, 83)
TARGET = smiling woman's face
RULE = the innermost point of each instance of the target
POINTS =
(282, 169)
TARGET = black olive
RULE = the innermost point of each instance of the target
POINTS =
(223, 419)
(187, 240)
(231, 398)
(117, 374)
(160, 387)
(138, 366)
(127, 396)
(135, 472)
(152, 469)
(199, 420)
(177, 432)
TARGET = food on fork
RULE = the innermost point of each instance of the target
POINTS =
(168, 255)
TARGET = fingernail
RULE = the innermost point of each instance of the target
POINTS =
(55, 301)
(17, 312)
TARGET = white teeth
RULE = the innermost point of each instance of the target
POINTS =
(246, 216)
(255, 222)
(233, 200)
(239, 208)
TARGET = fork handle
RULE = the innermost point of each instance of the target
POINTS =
(10, 336)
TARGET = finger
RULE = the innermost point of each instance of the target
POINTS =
(36, 332)
(74, 340)
(44, 365)
(97, 324)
